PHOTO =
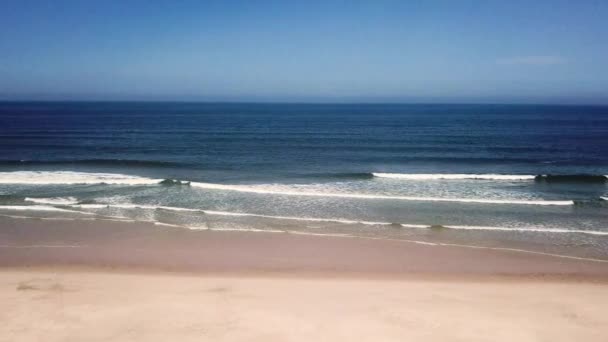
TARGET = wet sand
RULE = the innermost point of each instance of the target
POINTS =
(97, 280)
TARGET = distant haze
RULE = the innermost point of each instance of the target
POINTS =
(309, 51)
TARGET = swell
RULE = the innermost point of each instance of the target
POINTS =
(93, 162)
(75, 178)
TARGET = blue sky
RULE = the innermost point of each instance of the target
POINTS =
(326, 51)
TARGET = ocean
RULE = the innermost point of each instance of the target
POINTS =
(528, 177)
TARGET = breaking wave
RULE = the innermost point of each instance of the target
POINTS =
(72, 177)
(289, 192)
(53, 200)
(39, 208)
(88, 178)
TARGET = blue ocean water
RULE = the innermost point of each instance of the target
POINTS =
(456, 173)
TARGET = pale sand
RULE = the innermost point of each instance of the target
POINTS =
(51, 306)
(100, 281)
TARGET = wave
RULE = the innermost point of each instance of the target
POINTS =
(131, 206)
(345, 221)
(53, 200)
(39, 208)
(72, 177)
(267, 190)
(439, 176)
(237, 214)
(310, 219)
(528, 229)
(307, 219)
(93, 162)
(75, 178)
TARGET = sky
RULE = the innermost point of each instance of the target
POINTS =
(306, 51)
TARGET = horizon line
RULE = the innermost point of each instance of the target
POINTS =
(270, 102)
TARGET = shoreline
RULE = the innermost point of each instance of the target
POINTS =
(122, 281)
(145, 247)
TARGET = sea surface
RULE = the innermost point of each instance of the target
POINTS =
(528, 177)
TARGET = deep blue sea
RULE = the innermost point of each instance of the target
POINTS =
(463, 174)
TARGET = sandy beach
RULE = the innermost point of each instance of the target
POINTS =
(116, 281)
(56, 305)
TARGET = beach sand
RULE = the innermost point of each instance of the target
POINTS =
(113, 281)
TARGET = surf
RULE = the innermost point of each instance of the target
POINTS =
(88, 178)
(72, 178)
(345, 221)
(287, 192)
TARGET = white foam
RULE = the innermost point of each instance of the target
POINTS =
(90, 206)
(53, 200)
(72, 177)
(279, 191)
(168, 225)
(309, 219)
(255, 230)
(439, 176)
(129, 206)
(238, 214)
(37, 208)
(414, 226)
(532, 229)
(297, 232)
(343, 221)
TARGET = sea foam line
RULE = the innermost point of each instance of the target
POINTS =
(262, 190)
(71, 177)
(239, 214)
(349, 221)
(40, 208)
(530, 229)
(310, 219)
(53, 200)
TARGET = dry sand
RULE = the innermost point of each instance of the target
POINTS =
(99, 281)
(92, 306)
